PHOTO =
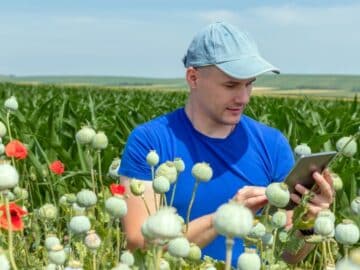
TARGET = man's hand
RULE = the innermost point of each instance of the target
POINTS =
(322, 195)
(253, 198)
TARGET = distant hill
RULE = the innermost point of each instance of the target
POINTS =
(349, 83)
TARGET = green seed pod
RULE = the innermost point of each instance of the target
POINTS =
(50, 266)
(164, 265)
(86, 198)
(127, 258)
(114, 168)
(51, 241)
(11, 103)
(279, 219)
(327, 213)
(2, 129)
(152, 158)
(168, 170)
(137, 187)
(100, 141)
(48, 212)
(9, 176)
(74, 265)
(164, 224)
(267, 239)
(116, 207)
(355, 205)
(249, 260)
(233, 220)
(258, 230)
(202, 172)
(79, 224)
(278, 194)
(92, 240)
(323, 226)
(57, 255)
(161, 184)
(302, 150)
(350, 149)
(179, 165)
(70, 197)
(283, 236)
(337, 181)
(347, 233)
(194, 253)
(85, 135)
(179, 247)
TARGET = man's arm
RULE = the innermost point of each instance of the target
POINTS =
(200, 232)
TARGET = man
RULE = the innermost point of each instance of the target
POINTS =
(221, 65)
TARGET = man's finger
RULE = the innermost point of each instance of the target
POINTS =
(324, 186)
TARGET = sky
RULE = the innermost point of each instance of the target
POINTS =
(149, 38)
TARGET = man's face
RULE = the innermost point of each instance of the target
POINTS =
(218, 97)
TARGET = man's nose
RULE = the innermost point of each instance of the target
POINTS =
(242, 95)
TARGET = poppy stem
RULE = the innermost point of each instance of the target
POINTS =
(100, 173)
(8, 124)
(10, 243)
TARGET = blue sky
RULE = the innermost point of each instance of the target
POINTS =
(149, 38)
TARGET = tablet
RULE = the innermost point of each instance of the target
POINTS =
(302, 172)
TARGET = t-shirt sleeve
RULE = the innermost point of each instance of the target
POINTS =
(133, 161)
(284, 159)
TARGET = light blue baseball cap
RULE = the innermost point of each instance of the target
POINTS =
(232, 51)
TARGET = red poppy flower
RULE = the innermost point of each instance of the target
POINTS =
(16, 149)
(57, 167)
(16, 212)
(117, 189)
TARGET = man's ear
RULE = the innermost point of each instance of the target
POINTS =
(191, 77)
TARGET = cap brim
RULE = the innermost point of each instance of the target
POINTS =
(247, 67)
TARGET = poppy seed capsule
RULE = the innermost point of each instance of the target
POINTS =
(86, 198)
(323, 226)
(337, 181)
(267, 239)
(202, 172)
(51, 241)
(116, 207)
(92, 240)
(137, 187)
(57, 255)
(127, 258)
(78, 210)
(114, 168)
(179, 165)
(249, 260)
(164, 265)
(168, 170)
(302, 150)
(161, 184)
(85, 135)
(350, 149)
(347, 233)
(194, 253)
(258, 230)
(79, 224)
(327, 213)
(48, 211)
(2, 129)
(233, 220)
(355, 205)
(50, 266)
(21, 193)
(179, 247)
(99, 141)
(121, 266)
(9, 177)
(74, 265)
(279, 219)
(164, 224)
(278, 194)
(152, 158)
(11, 103)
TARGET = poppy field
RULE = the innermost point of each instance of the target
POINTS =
(61, 200)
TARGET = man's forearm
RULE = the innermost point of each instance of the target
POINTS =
(291, 258)
(201, 231)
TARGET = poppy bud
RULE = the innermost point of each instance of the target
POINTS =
(11, 103)
(9, 177)
(202, 172)
(57, 255)
(116, 207)
(85, 135)
(350, 149)
(168, 170)
(278, 194)
(249, 260)
(127, 258)
(152, 158)
(79, 224)
(100, 141)
(86, 198)
(179, 247)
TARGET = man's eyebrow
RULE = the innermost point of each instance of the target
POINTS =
(237, 82)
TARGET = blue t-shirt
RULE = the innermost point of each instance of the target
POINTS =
(252, 154)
